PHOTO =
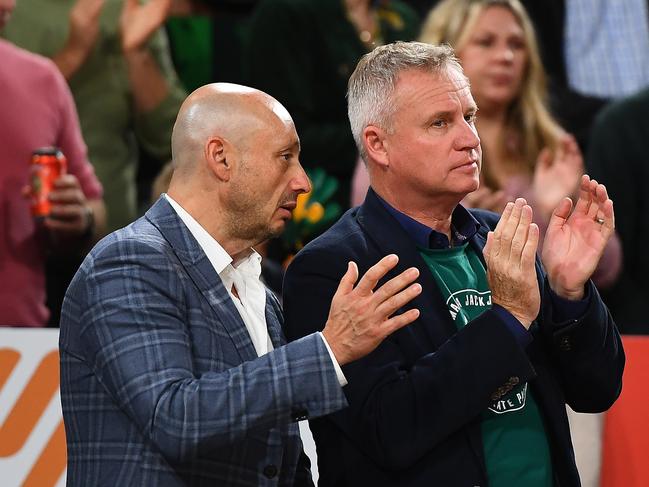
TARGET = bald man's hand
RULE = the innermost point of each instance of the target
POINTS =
(360, 317)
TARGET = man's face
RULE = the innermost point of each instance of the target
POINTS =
(433, 148)
(268, 179)
(6, 7)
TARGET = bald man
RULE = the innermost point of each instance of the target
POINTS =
(174, 370)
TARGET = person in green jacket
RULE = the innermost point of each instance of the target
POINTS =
(302, 53)
(117, 63)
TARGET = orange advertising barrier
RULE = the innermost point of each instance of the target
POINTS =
(32, 437)
(625, 459)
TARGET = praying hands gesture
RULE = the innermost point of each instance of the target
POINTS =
(574, 242)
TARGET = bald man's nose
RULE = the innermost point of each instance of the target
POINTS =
(301, 182)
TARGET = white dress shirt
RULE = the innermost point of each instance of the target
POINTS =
(244, 276)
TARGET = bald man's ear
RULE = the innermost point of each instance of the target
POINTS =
(215, 155)
(376, 145)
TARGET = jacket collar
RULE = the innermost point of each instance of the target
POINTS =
(390, 237)
(207, 281)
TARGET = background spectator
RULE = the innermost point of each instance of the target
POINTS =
(38, 111)
(587, 45)
(302, 53)
(116, 61)
(618, 157)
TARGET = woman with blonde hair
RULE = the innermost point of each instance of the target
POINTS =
(525, 151)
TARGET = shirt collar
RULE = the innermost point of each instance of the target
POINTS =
(463, 227)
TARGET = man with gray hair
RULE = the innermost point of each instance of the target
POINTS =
(474, 391)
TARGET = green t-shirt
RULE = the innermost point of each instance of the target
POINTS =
(515, 445)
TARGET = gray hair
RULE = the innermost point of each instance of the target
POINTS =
(371, 85)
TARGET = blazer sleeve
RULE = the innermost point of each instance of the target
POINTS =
(131, 299)
(588, 353)
(403, 399)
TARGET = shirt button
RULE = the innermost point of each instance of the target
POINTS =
(300, 415)
(565, 345)
(270, 471)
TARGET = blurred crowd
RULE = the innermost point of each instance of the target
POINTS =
(562, 88)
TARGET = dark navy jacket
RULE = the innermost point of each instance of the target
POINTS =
(415, 402)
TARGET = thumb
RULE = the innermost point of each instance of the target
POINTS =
(560, 213)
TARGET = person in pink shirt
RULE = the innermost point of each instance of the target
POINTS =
(37, 110)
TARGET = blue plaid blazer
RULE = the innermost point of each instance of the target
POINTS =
(160, 382)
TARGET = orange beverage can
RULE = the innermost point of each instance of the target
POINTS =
(48, 164)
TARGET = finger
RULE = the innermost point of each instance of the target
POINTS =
(67, 212)
(497, 233)
(609, 215)
(600, 195)
(26, 191)
(66, 181)
(399, 321)
(605, 208)
(528, 256)
(520, 236)
(560, 213)
(394, 285)
(583, 203)
(67, 196)
(399, 300)
(509, 229)
(375, 273)
(346, 284)
(593, 209)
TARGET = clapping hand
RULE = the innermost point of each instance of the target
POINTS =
(574, 242)
(510, 255)
(139, 22)
(557, 175)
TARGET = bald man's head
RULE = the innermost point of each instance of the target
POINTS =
(237, 168)
(229, 111)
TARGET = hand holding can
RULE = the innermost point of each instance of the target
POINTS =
(48, 164)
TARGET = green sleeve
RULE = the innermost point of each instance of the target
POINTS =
(153, 128)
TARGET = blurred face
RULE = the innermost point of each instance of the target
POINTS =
(494, 58)
(268, 179)
(6, 7)
(433, 147)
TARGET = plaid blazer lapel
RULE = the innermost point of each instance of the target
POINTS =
(274, 320)
(202, 274)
